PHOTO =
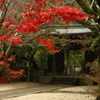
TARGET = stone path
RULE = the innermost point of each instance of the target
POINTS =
(30, 90)
(36, 91)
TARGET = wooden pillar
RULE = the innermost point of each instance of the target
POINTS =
(28, 76)
(54, 66)
(68, 61)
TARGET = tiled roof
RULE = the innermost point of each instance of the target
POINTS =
(71, 29)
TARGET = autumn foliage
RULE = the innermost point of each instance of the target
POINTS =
(25, 19)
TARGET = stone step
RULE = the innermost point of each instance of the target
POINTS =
(63, 80)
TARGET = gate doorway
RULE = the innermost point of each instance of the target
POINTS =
(74, 61)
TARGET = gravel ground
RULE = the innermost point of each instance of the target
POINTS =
(17, 85)
(69, 93)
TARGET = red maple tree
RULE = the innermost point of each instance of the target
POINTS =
(26, 18)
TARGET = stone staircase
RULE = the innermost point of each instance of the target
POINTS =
(65, 80)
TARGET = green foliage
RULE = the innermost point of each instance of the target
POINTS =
(77, 57)
(41, 57)
(95, 44)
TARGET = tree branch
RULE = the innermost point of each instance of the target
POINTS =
(98, 2)
(95, 7)
(86, 8)
(3, 13)
(89, 25)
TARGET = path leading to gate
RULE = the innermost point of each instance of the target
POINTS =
(30, 90)
(18, 90)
